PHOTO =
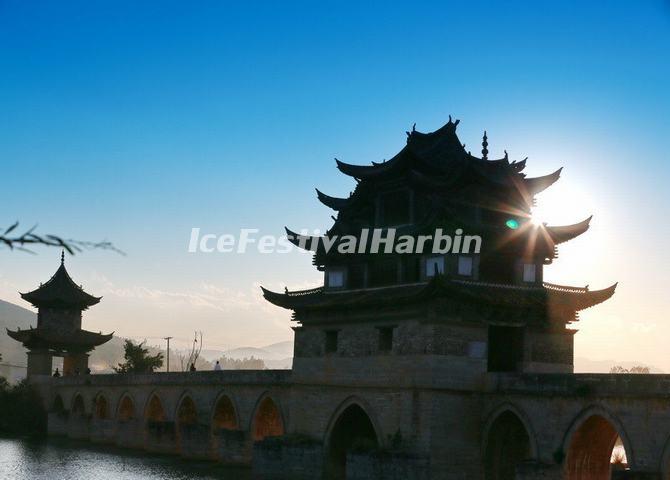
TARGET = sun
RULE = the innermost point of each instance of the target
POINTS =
(564, 206)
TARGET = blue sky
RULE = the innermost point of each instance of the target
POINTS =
(136, 121)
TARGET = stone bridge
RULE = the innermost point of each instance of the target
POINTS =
(504, 426)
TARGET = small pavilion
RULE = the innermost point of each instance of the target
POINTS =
(60, 303)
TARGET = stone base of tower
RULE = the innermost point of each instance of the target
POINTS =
(39, 362)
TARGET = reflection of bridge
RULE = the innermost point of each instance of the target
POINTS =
(541, 426)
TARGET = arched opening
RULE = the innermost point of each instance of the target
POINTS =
(267, 421)
(101, 408)
(353, 430)
(186, 414)
(224, 417)
(155, 411)
(507, 445)
(187, 419)
(78, 407)
(591, 454)
(58, 405)
(126, 409)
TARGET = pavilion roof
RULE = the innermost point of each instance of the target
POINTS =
(500, 295)
(60, 291)
(441, 154)
(80, 340)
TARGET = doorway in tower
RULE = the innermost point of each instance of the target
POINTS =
(352, 431)
(507, 445)
(505, 352)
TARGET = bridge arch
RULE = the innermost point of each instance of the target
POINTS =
(186, 417)
(664, 467)
(154, 411)
(589, 442)
(100, 406)
(508, 439)
(186, 412)
(350, 426)
(58, 405)
(267, 419)
(78, 408)
(126, 408)
(225, 414)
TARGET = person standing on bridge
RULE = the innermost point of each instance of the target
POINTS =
(217, 366)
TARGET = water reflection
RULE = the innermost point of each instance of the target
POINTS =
(60, 458)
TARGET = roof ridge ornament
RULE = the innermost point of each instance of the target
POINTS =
(409, 134)
(62, 257)
(485, 143)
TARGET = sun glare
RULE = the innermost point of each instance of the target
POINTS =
(565, 206)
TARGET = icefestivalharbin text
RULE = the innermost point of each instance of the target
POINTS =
(375, 240)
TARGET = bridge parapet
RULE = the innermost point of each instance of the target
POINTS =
(158, 379)
(581, 384)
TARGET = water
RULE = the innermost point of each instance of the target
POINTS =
(63, 459)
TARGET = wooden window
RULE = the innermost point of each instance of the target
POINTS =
(505, 352)
(465, 266)
(529, 271)
(386, 339)
(335, 279)
(331, 341)
(434, 265)
(383, 272)
(356, 275)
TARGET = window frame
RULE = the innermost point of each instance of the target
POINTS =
(471, 266)
(441, 263)
(525, 269)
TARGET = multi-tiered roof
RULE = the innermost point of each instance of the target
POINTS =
(434, 182)
(59, 294)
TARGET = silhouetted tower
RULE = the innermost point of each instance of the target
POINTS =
(464, 311)
(60, 303)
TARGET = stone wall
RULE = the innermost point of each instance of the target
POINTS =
(438, 417)
(386, 466)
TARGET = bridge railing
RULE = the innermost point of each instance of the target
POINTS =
(236, 377)
(580, 384)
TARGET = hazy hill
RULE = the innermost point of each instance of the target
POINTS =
(13, 316)
(277, 355)
(585, 365)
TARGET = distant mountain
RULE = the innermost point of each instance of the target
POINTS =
(277, 355)
(12, 317)
(282, 349)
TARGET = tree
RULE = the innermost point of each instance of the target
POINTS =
(633, 369)
(138, 360)
(16, 241)
(194, 355)
(250, 363)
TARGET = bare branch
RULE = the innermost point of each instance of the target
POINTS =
(28, 238)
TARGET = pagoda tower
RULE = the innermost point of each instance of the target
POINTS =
(486, 311)
(60, 303)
